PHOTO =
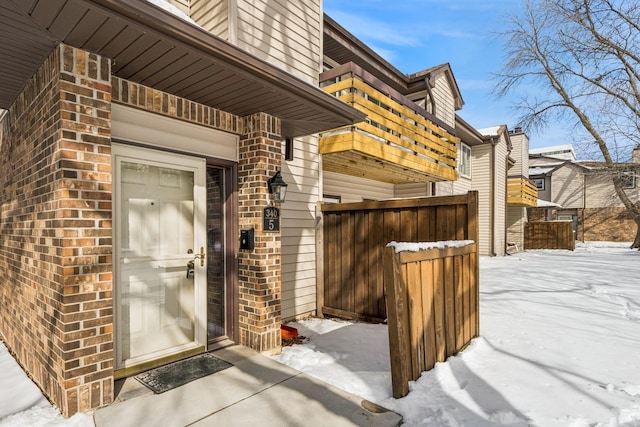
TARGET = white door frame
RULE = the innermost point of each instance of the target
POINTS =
(121, 153)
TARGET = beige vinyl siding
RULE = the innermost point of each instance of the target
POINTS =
(412, 190)
(302, 174)
(481, 173)
(567, 187)
(354, 189)
(601, 193)
(462, 185)
(516, 220)
(445, 102)
(520, 153)
(444, 188)
(285, 33)
(183, 5)
(212, 15)
(500, 197)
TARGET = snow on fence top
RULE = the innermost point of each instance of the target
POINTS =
(416, 247)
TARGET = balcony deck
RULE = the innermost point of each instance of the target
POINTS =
(399, 143)
(521, 192)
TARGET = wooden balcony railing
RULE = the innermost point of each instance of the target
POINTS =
(399, 142)
(521, 192)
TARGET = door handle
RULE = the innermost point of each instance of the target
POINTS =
(201, 256)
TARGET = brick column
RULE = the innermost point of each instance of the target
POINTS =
(259, 269)
(85, 189)
(55, 252)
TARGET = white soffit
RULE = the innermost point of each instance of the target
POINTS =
(133, 125)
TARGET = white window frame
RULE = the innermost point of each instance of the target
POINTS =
(626, 183)
(464, 160)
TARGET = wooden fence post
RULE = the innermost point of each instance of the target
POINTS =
(398, 320)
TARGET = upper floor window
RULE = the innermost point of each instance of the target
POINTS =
(539, 183)
(464, 160)
(628, 180)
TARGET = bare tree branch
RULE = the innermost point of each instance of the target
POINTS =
(585, 55)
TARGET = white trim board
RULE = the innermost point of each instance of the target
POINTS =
(131, 124)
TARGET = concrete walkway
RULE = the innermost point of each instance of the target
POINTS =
(256, 391)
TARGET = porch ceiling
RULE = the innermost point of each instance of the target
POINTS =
(155, 48)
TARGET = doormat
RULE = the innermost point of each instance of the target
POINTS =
(181, 372)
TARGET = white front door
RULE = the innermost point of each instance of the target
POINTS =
(160, 283)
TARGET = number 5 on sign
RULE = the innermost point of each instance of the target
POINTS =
(271, 218)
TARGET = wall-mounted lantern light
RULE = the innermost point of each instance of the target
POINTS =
(277, 187)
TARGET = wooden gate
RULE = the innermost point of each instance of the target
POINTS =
(354, 237)
(432, 304)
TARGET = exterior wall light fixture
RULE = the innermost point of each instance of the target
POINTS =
(277, 187)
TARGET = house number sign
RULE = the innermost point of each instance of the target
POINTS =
(271, 219)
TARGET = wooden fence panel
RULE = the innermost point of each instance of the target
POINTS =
(355, 235)
(549, 235)
(432, 300)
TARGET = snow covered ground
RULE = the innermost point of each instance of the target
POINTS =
(559, 346)
(22, 403)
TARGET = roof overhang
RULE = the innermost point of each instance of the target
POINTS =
(152, 47)
(467, 133)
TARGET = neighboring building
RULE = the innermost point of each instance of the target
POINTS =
(583, 192)
(491, 161)
(562, 152)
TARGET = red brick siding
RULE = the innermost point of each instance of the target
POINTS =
(259, 270)
(145, 98)
(55, 222)
(608, 224)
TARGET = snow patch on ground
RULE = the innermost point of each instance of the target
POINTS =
(558, 347)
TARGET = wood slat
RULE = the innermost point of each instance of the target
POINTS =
(459, 273)
(361, 268)
(439, 303)
(416, 320)
(449, 308)
(366, 144)
(398, 325)
(447, 152)
(466, 294)
(429, 314)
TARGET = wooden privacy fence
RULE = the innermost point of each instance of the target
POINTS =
(549, 235)
(432, 305)
(354, 237)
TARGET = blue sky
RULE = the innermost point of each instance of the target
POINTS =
(417, 34)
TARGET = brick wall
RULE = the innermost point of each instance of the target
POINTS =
(259, 270)
(145, 98)
(55, 223)
(608, 224)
